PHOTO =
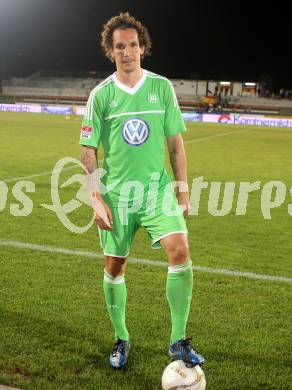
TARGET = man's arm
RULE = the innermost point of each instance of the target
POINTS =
(102, 213)
(178, 163)
(89, 158)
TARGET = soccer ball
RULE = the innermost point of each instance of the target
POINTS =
(177, 376)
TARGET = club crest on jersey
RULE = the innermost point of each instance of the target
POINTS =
(135, 131)
(152, 98)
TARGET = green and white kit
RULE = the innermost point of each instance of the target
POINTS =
(131, 124)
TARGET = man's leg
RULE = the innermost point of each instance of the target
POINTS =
(115, 296)
(179, 288)
(179, 282)
(115, 293)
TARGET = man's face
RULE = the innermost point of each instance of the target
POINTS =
(126, 51)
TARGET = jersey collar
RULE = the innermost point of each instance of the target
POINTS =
(129, 90)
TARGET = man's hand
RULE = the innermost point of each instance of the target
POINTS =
(102, 213)
(183, 199)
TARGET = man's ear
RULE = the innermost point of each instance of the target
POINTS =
(142, 49)
(112, 57)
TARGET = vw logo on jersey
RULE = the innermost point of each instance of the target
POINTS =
(135, 131)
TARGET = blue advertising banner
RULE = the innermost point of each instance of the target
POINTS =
(192, 116)
(65, 110)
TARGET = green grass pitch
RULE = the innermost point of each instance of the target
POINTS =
(54, 330)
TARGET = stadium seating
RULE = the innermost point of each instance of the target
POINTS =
(60, 87)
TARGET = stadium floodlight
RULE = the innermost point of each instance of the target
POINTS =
(225, 82)
(250, 84)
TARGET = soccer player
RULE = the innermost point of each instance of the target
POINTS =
(130, 114)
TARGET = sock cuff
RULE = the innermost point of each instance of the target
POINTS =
(113, 279)
(174, 269)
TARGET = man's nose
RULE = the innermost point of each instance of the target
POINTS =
(126, 51)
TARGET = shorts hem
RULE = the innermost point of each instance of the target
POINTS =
(168, 234)
(110, 254)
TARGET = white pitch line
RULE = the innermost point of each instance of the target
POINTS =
(216, 136)
(69, 168)
(35, 175)
(45, 173)
(226, 272)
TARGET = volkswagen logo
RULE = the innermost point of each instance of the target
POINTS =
(135, 131)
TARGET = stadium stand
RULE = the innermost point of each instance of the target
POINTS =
(194, 95)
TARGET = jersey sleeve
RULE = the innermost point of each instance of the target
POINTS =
(173, 120)
(92, 122)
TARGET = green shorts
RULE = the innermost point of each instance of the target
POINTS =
(158, 219)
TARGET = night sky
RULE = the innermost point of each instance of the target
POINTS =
(198, 39)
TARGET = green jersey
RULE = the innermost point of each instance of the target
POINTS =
(131, 124)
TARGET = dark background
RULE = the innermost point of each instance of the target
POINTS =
(240, 41)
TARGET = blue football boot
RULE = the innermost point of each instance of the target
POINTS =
(183, 350)
(119, 356)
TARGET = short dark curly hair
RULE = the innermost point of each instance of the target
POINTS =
(123, 21)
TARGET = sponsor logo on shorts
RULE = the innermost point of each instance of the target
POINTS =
(86, 131)
(135, 131)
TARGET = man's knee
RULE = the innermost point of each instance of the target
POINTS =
(179, 253)
(176, 247)
(115, 266)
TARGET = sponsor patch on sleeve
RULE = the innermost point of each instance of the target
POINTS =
(86, 131)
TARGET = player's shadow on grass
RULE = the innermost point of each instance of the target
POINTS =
(53, 335)
(34, 341)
